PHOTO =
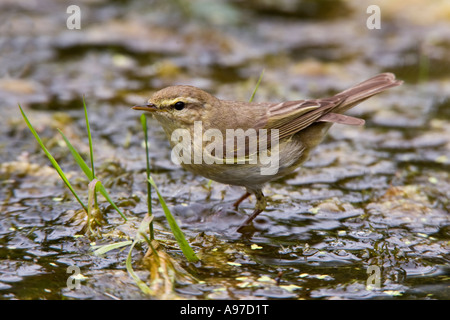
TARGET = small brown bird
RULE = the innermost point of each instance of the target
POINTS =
(277, 137)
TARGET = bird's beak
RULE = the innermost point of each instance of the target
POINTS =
(150, 107)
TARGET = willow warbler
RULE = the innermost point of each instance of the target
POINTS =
(251, 143)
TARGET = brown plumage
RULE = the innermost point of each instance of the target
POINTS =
(301, 125)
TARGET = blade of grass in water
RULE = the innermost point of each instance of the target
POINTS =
(149, 186)
(91, 151)
(108, 247)
(143, 227)
(78, 159)
(52, 160)
(87, 171)
(424, 68)
(179, 236)
(88, 128)
(257, 86)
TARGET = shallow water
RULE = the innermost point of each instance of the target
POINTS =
(367, 217)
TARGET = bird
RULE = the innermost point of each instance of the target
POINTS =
(283, 132)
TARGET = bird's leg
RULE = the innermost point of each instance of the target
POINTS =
(259, 207)
(242, 198)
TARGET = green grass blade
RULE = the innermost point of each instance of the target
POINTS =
(78, 159)
(149, 186)
(87, 171)
(144, 288)
(179, 236)
(143, 227)
(111, 202)
(88, 128)
(100, 250)
(91, 149)
(52, 160)
(257, 86)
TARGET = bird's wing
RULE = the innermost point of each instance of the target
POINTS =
(289, 118)
(293, 116)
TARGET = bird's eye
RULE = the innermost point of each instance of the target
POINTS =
(179, 105)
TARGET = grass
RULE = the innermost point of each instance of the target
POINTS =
(149, 186)
(89, 174)
(257, 86)
(178, 234)
(141, 232)
(52, 160)
(93, 212)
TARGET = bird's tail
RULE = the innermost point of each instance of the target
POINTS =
(365, 90)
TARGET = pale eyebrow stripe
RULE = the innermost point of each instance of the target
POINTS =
(167, 103)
